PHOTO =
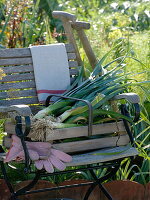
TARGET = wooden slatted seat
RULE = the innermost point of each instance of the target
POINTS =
(97, 156)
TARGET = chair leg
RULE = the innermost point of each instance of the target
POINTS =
(14, 194)
(28, 187)
(99, 181)
(13, 197)
(103, 189)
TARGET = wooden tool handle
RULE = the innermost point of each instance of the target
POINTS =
(64, 16)
(67, 19)
(80, 25)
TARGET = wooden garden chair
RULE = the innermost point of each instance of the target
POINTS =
(18, 67)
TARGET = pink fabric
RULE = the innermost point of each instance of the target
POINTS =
(42, 153)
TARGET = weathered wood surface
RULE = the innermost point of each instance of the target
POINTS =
(27, 76)
(18, 77)
(91, 144)
(131, 97)
(25, 69)
(76, 131)
(87, 47)
(28, 101)
(71, 56)
(27, 61)
(73, 64)
(17, 69)
(90, 158)
(83, 131)
(22, 110)
(64, 15)
(69, 33)
(15, 61)
(73, 71)
(17, 85)
(25, 52)
(80, 25)
(85, 145)
(18, 93)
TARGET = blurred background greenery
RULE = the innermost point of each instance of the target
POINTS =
(122, 23)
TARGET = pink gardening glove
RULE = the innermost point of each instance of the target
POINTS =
(16, 151)
(40, 152)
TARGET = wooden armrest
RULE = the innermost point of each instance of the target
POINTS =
(22, 110)
(134, 99)
(131, 97)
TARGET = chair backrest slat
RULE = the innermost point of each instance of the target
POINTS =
(16, 61)
(28, 101)
(17, 85)
(17, 69)
(73, 64)
(15, 53)
(25, 52)
(26, 61)
(18, 77)
(18, 93)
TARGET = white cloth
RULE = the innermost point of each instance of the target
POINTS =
(51, 69)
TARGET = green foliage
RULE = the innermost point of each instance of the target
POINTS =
(1, 130)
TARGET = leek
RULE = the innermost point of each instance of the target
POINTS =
(97, 89)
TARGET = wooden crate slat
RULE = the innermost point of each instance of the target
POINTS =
(79, 146)
(75, 131)
(25, 52)
(18, 77)
(15, 61)
(18, 93)
(83, 131)
(86, 145)
(17, 85)
(33, 100)
(17, 69)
